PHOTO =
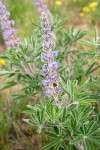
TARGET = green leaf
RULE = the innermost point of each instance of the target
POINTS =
(50, 145)
(94, 69)
(90, 126)
(64, 86)
(84, 84)
(94, 139)
(95, 96)
(66, 147)
(89, 70)
(31, 107)
(27, 111)
(58, 114)
(57, 146)
(83, 42)
(18, 96)
(8, 85)
(87, 101)
(3, 57)
(76, 140)
(31, 122)
(51, 134)
(4, 80)
(17, 105)
(87, 145)
(35, 24)
(2, 73)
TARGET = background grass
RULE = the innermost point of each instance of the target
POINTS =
(24, 13)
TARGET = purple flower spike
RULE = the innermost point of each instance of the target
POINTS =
(51, 82)
(7, 28)
(41, 6)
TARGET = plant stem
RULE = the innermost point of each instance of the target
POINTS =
(80, 147)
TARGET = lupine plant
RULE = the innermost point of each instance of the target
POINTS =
(7, 27)
(58, 76)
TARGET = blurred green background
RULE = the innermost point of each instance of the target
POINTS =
(84, 14)
(24, 13)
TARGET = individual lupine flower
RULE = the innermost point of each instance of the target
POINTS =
(7, 28)
(44, 70)
(49, 69)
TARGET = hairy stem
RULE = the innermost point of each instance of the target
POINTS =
(80, 146)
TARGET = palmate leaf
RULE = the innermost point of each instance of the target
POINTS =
(70, 88)
(4, 80)
(83, 95)
(84, 84)
(90, 127)
(64, 116)
(94, 139)
(57, 146)
(84, 130)
(34, 108)
(59, 142)
(66, 147)
(95, 82)
(50, 145)
(87, 43)
(76, 140)
(87, 101)
(63, 86)
(38, 118)
(76, 93)
(80, 34)
(94, 69)
(31, 122)
(51, 134)
(84, 112)
(90, 69)
(53, 114)
(2, 73)
(95, 96)
(17, 105)
(41, 116)
(87, 145)
(8, 85)
(18, 96)
(28, 111)
(73, 35)
(79, 115)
